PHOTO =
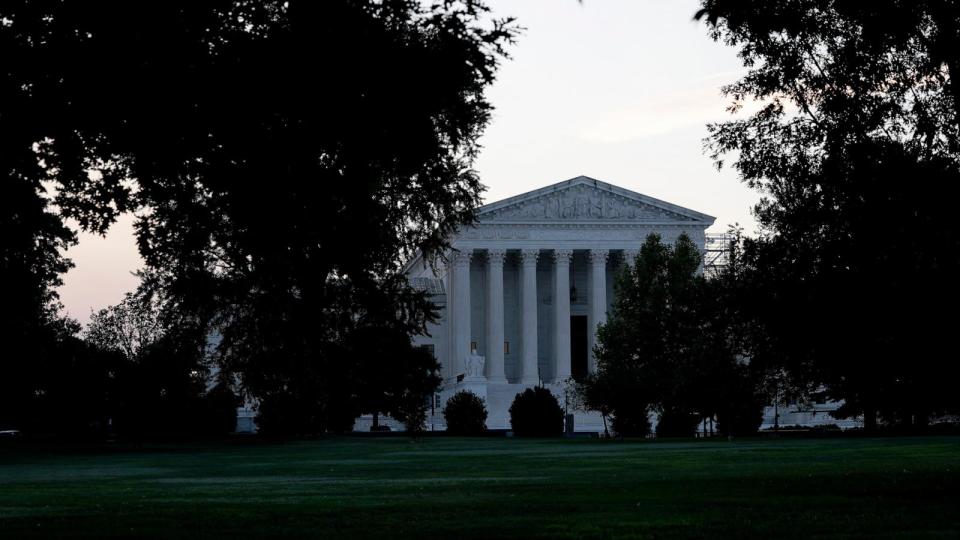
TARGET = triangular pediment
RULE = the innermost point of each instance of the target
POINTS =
(584, 199)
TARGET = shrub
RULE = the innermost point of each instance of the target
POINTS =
(412, 411)
(536, 413)
(632, 419)
(741, 416)
(465, 414)
(675, 422)
(220, 410)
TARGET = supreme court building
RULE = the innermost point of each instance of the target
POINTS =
(524, 289)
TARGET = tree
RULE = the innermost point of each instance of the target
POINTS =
(535, 412)
(465, 414)
(856, 152)
(284, 157)
(31, 263)
(164, 385)
(160, 393)
(674, 344)
(617, 396)
(392, 375)
(641, 350)
(132, 325)
(74, 396)
(418, 378)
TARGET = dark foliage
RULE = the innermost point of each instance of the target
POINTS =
(285, 157)
(157, 393)
(535, 412)
(36, 341)
(677, 422)
(672, 344)
(465, 414)
(392, 375)
(632, 419)
(220, 409)
(281, 415)
(159, 390)
(740, 411)
(89, 392)
(74, 392)
(856, 153)
(618, 398)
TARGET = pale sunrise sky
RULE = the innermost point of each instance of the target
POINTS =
(619, 90)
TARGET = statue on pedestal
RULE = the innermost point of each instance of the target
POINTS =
(474, 366)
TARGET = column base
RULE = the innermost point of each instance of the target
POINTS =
(525, 380)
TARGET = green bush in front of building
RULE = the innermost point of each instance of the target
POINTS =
(535, 412)
(465, 414)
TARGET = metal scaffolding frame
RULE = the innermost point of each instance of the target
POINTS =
(716, 253)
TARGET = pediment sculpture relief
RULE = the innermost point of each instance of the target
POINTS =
(584, 204)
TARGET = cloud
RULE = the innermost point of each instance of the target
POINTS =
(659, 114)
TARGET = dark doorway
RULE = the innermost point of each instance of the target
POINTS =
(578, 346)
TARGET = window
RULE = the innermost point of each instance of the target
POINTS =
(506, 347)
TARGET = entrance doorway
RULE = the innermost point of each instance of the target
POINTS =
(578, 346)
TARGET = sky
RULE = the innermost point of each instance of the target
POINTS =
(618, 90)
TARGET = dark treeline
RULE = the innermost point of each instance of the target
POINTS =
(852, 283)
(856, 152)
(281, 158)
(674, 346)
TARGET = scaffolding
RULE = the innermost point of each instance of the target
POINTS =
(716, 253)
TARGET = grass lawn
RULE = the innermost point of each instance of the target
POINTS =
(476, 488)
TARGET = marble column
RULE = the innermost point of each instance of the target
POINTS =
(494, 338)
(460, 310)
(528, 316)
(598, 298)
(630, 256)
(561, 310)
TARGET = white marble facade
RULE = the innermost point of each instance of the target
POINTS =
(523, 290)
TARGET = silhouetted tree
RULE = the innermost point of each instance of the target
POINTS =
(75, 395)
(535, 412)
(672, 345)
(31, 263)
(856, 151)
(163, 387)
(136, 322)
(618, 398)
(389, 374)
(417, 378)
(285, 157)
(465, 414)
(160, 392)
(219, 411)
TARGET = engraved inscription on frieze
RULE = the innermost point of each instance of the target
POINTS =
(496, 234)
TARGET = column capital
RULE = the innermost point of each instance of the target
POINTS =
(630, 255)
(599, 256)
(496, 256)
(460, 257)
(529, 256)
(562, 256)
